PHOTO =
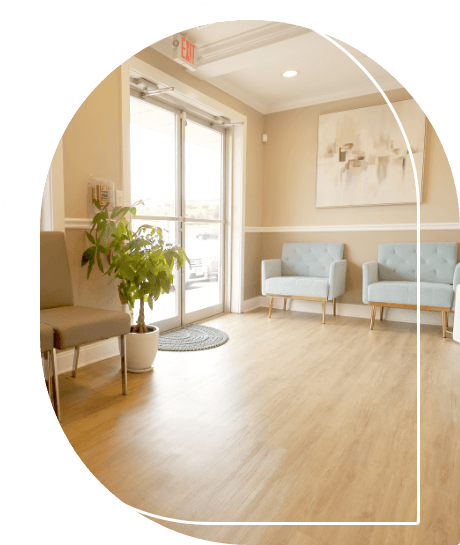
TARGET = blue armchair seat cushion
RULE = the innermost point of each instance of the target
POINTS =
(405, 293)
(306, 286)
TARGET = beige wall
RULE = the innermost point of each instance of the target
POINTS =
(290, 173)
(290, 192)
(253, 255)
(92, 146)
(280, 182)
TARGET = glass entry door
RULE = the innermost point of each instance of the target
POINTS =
(177, 169)
(203, 221)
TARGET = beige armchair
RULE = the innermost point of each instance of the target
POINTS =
(73, 325)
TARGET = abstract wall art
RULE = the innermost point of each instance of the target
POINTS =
(363, 159)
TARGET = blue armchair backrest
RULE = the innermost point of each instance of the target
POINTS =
(309, 258)
(437, 261)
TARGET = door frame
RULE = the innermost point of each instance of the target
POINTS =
(180, 219)
(191, 317)
(235, 168)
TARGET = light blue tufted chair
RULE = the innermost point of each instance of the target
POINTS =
(392, 280)
(307, 270)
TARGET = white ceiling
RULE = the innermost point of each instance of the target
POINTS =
(247, 59)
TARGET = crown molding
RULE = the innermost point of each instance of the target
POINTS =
(247, 41)
(265, 109)
(387, 85)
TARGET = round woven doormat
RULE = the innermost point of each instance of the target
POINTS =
(192, 337)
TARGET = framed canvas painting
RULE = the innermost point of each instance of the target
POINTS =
(363, 159)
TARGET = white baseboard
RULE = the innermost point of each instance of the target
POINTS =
(346, 309)
(89, 353)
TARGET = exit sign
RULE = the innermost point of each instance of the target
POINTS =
(184, 53)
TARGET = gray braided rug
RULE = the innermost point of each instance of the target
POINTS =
(192, 337)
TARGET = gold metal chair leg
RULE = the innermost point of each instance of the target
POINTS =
(324, 312)
(76, 354)
(374, 309)
(285, 301)
(270, 307)
(55, 381)
(381, 314)
(444, 324)
(124, 367)
(334, 306)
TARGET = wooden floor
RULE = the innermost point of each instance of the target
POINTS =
(290, 420)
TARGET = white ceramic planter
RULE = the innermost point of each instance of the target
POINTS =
(141, 349)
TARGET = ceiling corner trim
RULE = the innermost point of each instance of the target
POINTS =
(248, 41)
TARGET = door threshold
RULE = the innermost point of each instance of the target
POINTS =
(192, 323)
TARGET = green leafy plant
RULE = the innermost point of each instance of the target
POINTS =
(142, 260)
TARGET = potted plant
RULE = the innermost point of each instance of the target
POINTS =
(144, 264)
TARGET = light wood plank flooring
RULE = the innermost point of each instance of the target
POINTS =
(290, 420)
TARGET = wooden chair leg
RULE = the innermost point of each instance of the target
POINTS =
(76, 354)
(124, 367)
(270, 307)
(285, 301)
(374, 309)
(324, 312)
(381, 314)
(334, 307)
(444, 324)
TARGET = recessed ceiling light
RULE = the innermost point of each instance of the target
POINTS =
(290, 73)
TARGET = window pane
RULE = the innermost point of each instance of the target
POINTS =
(203, 276)
(203, 172)
(167, 305)
(153, 159)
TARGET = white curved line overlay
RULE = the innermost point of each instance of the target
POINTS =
(10, 374)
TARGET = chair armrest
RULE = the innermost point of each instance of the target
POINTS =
(270, 269)
(456, 283)
(370, 276)
(337, 278)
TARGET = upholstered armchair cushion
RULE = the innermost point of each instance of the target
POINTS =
(370, 276)
(55, 281)
(309, 258)
(270, 268)
(46, 338)
(75, 325)
(438, 261)
(432, 294)
(300, 286)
